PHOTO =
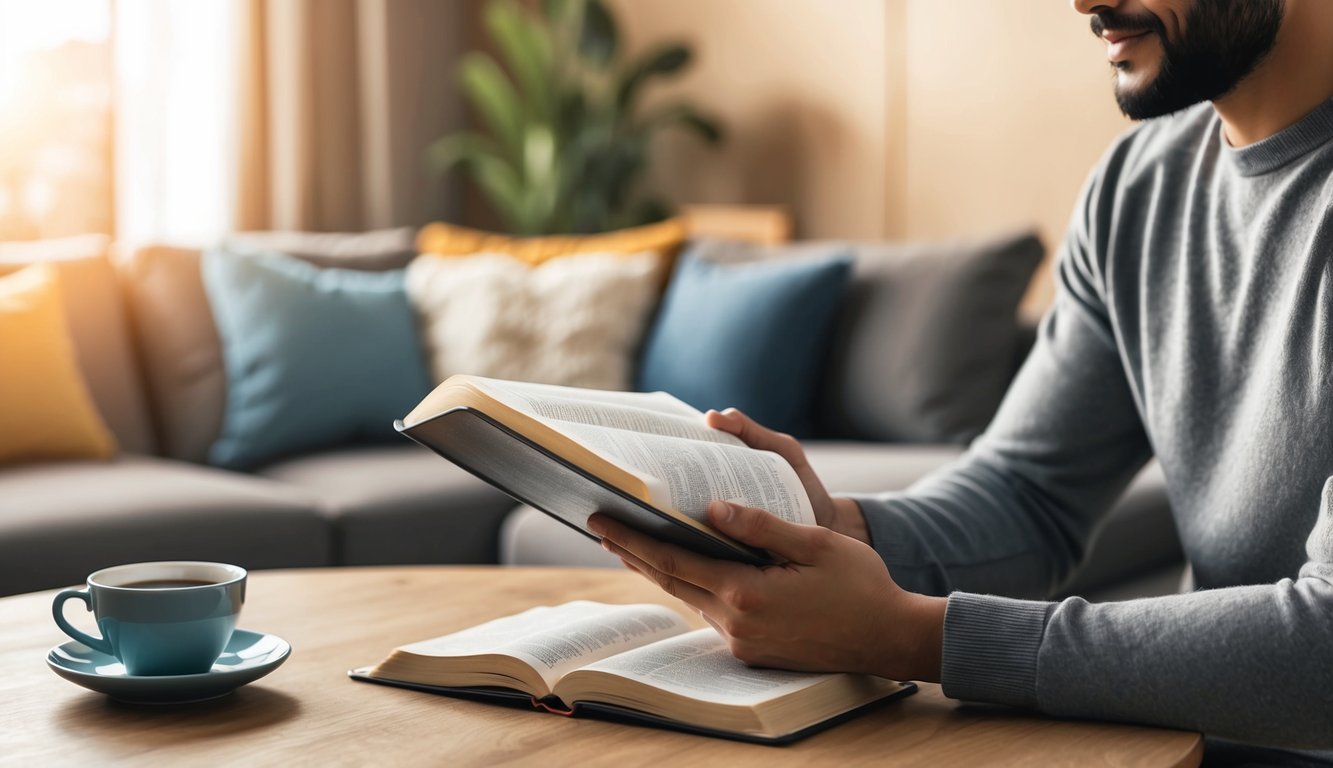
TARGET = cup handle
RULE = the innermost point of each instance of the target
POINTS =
(58, 610)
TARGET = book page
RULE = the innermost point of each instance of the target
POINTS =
(699, 665)
(687, 474)
(555, 640)
(684, 463)
(588, 406)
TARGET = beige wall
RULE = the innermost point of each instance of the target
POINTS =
(889, 118)
(1008, 108)
(801, 86)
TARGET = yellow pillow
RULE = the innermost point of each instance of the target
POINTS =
(45, 409)
(663, 238)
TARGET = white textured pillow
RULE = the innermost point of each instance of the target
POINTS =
(574, 320)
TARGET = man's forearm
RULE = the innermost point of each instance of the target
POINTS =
(1244, 663)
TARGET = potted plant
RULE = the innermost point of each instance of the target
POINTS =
(566, 141)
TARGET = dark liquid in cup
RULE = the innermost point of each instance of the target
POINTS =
(167, 584)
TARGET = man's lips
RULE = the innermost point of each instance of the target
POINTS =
(1120, 43)
(1113, 36)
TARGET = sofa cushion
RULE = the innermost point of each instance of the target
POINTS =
(315, 358)
(923, 345)
(575, 321)
(529, 537)
(663, 238)
(860, 467)
(750, 336)
(45, 409)
(95, 312)
(179, 343)
(926, 338)
(178, 339)
(61, 521)
(373, 251)
(399, 504)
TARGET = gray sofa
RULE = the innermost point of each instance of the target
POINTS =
(149, 351)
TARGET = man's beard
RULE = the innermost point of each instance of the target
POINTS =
(1222, 42)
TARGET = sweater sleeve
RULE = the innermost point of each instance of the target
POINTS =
(1250, 663)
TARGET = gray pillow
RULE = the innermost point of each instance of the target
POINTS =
(924, 344)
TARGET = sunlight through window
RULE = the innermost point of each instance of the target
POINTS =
(55, 118)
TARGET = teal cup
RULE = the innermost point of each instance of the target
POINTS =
(166, 618)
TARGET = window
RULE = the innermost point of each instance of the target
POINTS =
(55, 118)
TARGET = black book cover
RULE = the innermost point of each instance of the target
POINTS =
(536, 477)
(512, 698)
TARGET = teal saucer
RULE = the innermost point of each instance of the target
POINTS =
(248, 657)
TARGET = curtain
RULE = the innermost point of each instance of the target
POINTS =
(338, 101)
(282, 114)
(171, 161)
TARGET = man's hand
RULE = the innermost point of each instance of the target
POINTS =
(837, 514)
(832, 607)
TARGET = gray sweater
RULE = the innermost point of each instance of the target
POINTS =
(1193, 323)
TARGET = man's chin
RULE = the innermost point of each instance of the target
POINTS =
(1135, 78)
(1138, 94)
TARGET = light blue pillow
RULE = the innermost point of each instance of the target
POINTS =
(750, 336)
(314, 357)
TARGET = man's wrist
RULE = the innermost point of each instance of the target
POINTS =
(849, 520)
(928, 637)
(914, 648)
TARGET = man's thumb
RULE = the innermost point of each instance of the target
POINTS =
(764, 530)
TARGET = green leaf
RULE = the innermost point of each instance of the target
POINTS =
(649, 211)
(503, 189)
(561, 148)
(460, 149)
(707, 128)
(661, 61)
(539, 154)
(558, 12)
(492, 95)
(609, 175)
(624, 167)
(598, 36)
(686, 116)
(542, 177)
(562, 20)
(527, 52)
(571, 114)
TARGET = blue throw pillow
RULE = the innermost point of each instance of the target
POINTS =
(750, 336)
(314, 357)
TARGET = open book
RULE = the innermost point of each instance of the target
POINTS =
(643, 458)
(636, 663)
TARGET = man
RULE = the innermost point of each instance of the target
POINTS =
(1193, 323)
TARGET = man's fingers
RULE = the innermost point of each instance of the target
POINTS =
(699, 609)
(755, 435)
(697, 598)
(667, 559)
(797, 543)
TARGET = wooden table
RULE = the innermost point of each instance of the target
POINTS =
(309, 713)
